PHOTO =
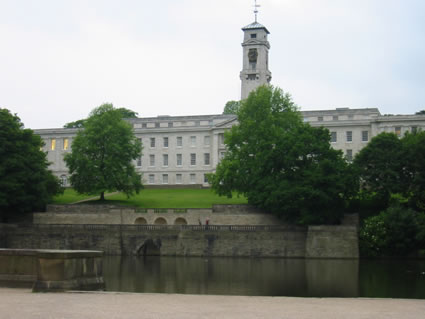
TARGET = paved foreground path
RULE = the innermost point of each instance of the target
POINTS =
(22, 304)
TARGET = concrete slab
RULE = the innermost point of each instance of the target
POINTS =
(22, 304)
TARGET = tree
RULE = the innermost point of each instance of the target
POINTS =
(379, 165)
(26, 184)
(232, 107)
(282, 164)
(414, 169)
(397, 231)
(422, 112)
(125, 113)
(102, 154)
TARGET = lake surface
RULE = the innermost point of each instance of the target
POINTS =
(266, 277)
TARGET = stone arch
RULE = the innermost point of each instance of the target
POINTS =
(150, 247)
(140, 221)
(160, 221)
(180, 221)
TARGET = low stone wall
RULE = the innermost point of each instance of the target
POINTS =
(52, 270)
(247, 241)
(332, 242)
(108, 214)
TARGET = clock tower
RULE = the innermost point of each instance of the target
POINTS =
(255, 69)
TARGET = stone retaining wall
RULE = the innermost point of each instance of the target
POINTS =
(248, 241)
(109, 214)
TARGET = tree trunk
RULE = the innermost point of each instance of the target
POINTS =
(102, 196)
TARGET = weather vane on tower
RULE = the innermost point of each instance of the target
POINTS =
(256, 6)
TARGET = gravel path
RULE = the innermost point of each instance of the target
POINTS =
(23, 304)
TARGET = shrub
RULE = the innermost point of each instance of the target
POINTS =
(397, 231)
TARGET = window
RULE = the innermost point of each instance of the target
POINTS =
(193, 141)
(65, 144)
(221, 138)
(156, 125)
(165, 160)
(151, 160)
(414, 129)
(365, 136)
(253, 35)
(152, 141)
(165, 141)
(164, 178)
(139, 161)
(179, 160)
(205, 179)
(252, 77)
(63, 180)
(179, 141)
(349, 155)
(170, 124)
(320, 118)
(192, 159)
(151, 178)
(207, 140)
(144, 125)
(335, 118)
(333, 137)
(222, 154)
(53, 144)
(351, 116)
(398, 130)
(192, 178)
(178, 178)
(206, 158)
(349, 136)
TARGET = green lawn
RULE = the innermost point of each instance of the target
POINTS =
(160, 198)
(69, 196)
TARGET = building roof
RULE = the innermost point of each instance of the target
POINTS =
(255, 25)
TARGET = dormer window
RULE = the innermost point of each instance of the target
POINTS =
(253, 35)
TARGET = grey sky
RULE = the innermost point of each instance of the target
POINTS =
(59, 59)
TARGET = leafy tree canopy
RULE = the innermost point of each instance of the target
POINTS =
(379, 165)
(232, 107)
(125, 113)
(102, 155)
(420, 112)
(414, 169)
(282, 164)
(26, 184)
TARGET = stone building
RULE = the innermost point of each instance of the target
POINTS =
(180, 150)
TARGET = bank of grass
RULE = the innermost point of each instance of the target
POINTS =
(159, 198)
(69, 196)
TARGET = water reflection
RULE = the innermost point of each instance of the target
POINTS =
(233, 276)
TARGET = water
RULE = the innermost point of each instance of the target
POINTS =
(266, 277)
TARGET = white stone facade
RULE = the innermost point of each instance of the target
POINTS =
(180, 150)
(255, 61)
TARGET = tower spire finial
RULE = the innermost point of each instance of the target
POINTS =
(256, 6)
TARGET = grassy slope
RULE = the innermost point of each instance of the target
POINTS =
(161, 198)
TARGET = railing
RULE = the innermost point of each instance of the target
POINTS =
(233, 228)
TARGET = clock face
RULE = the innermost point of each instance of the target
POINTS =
(252, 55)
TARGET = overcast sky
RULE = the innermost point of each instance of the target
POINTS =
(59, 59)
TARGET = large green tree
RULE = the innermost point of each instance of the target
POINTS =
(282, 164)
(102, 155)
(414, 169)
(26, 184)
(379, 165)
(232, 107)
(125, 113)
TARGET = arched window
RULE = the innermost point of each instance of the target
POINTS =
(140, 221)
(180, 221)
(160, 221)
